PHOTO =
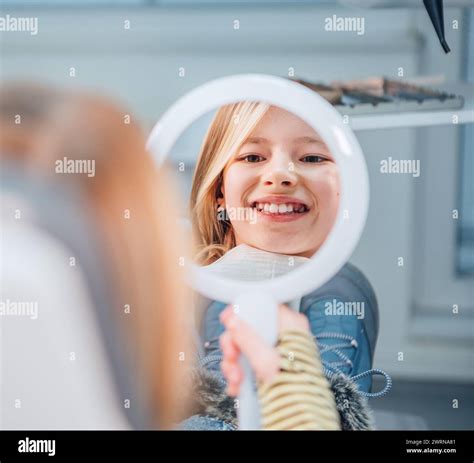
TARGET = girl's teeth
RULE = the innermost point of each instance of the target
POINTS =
(279, 208)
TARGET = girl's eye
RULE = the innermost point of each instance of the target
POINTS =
(313, 158)
(253, 158)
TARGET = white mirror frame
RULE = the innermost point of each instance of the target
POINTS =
(257, 301)
(343, 145)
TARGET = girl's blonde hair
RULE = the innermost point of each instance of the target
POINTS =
(231, 126)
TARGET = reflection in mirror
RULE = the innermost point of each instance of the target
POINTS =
(262, 189)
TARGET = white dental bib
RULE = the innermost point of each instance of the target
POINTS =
(246, 263)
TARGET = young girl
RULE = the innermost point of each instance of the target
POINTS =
(269, 163)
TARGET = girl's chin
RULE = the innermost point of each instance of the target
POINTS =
(285, 249)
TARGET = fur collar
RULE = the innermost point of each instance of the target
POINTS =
(212, 401)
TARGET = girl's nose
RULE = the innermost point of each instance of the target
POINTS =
(280, 174)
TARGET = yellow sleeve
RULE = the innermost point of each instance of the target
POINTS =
(299, 397)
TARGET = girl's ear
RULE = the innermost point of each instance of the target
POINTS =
(220, 200)
(220, 194)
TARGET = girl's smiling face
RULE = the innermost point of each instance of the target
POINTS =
(285, 173)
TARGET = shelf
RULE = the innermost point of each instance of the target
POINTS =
(426, 118)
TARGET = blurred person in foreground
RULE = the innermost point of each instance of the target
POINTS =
(132, 205)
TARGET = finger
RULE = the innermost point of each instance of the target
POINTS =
(262, 357)
(290, 320)
(228, 347)
(234, 381)
(224, 315)
(230, 366)
(233, 374)
(232, 389)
